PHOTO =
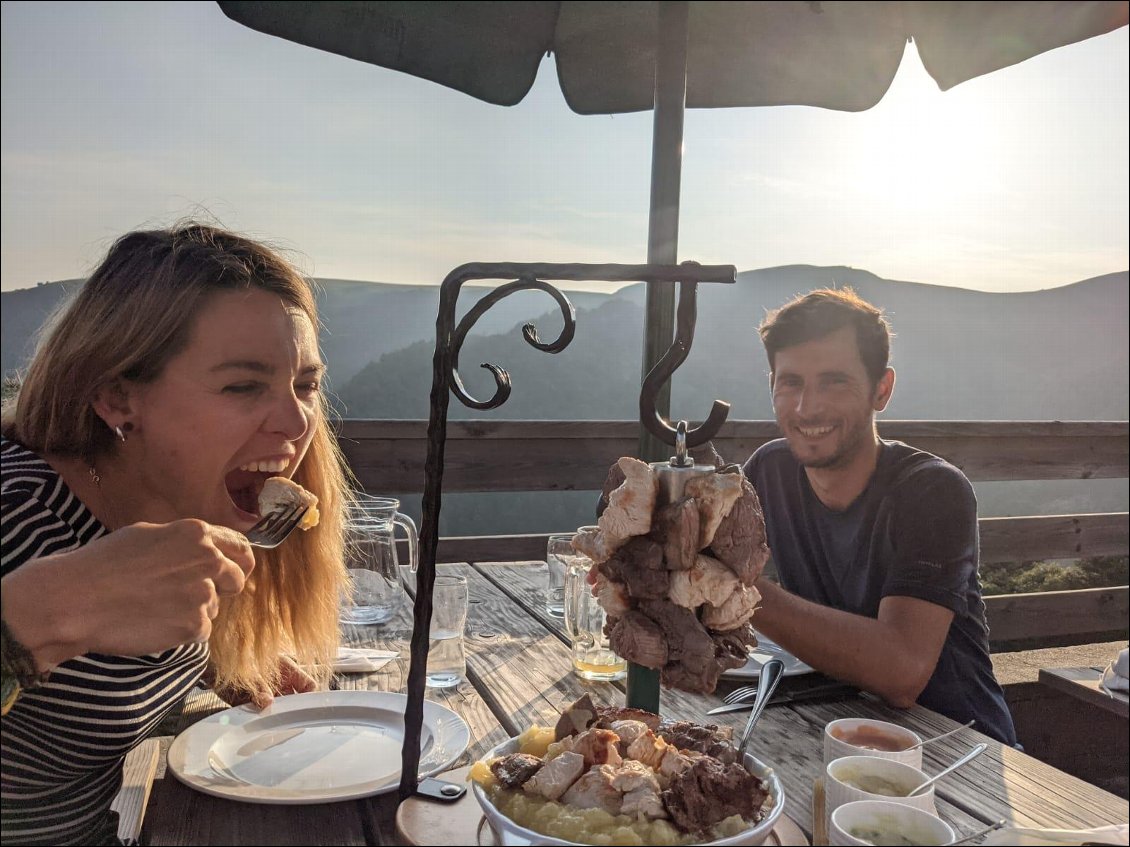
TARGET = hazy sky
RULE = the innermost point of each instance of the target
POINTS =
(117, 116)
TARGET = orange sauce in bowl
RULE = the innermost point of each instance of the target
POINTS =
(872, 738)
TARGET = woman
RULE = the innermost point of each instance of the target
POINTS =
(183, 374)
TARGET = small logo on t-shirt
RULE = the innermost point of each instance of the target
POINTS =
(934, 565)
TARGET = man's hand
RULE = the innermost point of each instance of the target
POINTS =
(141, 589)
(893, 655)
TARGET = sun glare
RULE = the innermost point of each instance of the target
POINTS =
(921, 148)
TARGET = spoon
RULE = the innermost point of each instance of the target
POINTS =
(771, 673)
(939, 737)
(980, 833)
(968, 757)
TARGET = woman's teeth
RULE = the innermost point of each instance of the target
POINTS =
(268, 466)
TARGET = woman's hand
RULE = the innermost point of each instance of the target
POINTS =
(292, 680)
(141, 589)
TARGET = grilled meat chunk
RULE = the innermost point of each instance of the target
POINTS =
(706, 581)
(598, 746)
(641, 791)
(629, 511)
(739, 541)
(609, 716)
(555, 776)
(676, 528)
(687, 639)
(731, 649)
(709, 791)
(691, 676)
(639, 639)
(595, 790)
(515, 770)
(715, 495)
(577, 718)
(735, 611)
(638, 564)
(709, 738)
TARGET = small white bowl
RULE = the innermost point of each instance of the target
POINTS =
(839, 742)
(841, 773)
(887, 820)
(511, 834)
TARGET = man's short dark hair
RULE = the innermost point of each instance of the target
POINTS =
(822, 312)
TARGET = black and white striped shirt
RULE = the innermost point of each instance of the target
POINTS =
(64, 742)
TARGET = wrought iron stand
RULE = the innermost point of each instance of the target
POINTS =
(643, 684)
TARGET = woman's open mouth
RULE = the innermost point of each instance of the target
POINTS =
(243, 488)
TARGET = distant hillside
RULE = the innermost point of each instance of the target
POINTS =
(22, 313)
(1055, 354)
(361, 320)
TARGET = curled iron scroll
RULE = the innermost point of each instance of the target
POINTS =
(677, 354)
(529, 332)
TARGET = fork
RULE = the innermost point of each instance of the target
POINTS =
(740, 694)
(273, 528)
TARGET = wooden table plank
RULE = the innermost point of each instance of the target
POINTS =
(1084, 684)
(525, 584)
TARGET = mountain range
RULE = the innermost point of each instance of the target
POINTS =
(959, 354)
(1055, 354)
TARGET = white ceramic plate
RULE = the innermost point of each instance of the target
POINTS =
(312, 748)
(762, 653)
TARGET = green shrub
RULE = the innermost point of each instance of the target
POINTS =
(1035, 577)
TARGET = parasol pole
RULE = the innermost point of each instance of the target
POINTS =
(662, 249)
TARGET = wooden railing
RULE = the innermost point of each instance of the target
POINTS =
(482, 456)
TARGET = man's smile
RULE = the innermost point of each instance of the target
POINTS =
(814, 431)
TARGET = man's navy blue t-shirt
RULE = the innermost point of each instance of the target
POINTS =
(911, 533)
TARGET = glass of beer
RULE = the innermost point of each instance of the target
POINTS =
(584, 623)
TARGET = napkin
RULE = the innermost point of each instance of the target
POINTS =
(362, 659)
(1116, 673)
(1115, 834)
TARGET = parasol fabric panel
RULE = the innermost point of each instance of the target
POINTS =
(836, 55)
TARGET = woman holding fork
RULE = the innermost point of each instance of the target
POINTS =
(182, 375)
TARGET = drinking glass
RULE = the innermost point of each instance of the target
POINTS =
(375, 594)
(584, 623)
(447, 654)
(558, 552)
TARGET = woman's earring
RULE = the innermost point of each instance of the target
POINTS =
(121, 435)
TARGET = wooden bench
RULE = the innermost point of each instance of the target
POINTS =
(1080, 737)
(491, 456)
(1084, 684)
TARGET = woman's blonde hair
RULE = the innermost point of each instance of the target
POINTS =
(131, 317)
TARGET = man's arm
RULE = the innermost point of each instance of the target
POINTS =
(893, 656)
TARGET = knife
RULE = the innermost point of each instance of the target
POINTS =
(733, 707)
(791, 697)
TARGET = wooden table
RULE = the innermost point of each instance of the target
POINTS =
(1084, 684)
(519, 673)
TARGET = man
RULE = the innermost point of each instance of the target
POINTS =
(875, 543)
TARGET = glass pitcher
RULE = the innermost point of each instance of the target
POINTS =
(375, 594)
